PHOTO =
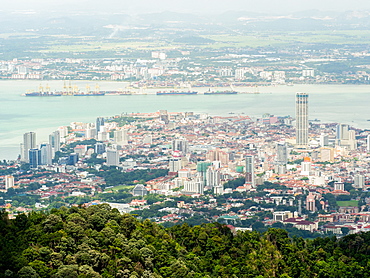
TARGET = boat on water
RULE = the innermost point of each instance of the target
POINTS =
(118, 93)
(89, 94)
(175, 93)
(43, 94)
(221, 93)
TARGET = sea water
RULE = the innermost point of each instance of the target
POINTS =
(19, 114)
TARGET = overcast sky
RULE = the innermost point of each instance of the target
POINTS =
(194, 6)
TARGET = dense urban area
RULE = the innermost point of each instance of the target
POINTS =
(184, 167)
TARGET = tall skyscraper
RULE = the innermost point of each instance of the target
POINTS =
(99, 124)
(342, 133)
(45, 154)
(54, 141)
(29, 142)
(302, 119)
(249, 170)
(34, 157)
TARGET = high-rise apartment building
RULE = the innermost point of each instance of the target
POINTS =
(54, 141)
(34, 157)
(99, 123)
(213, 177)
(249, 170)
(194, 186)
(121, 137)
(359, 181)
(112, 157)
(302, 120)
(345, 137)
(29, 142)
(281, 153)
(180, 145)
(342, 133)
(9, 182)
(46, 153)
(324, 140)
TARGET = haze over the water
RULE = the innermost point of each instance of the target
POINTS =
(193, 6)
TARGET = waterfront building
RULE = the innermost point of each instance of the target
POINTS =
(34, 156)
(99, 124)
(29, 142)
(54, 141)
(163, 116)
(302, 120)
(249, 170)
(46, 153)
(342, 134)
(345, 137)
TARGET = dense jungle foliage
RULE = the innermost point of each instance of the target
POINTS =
(100, 242)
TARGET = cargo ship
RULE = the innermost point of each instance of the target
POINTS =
(175, 93)
(43, 94)
(89, 94)
(118, 93)
(221, 93)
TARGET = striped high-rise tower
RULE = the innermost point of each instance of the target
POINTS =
(302, 120)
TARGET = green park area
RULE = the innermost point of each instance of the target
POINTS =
(347, 203)
(261, 39)
(120, 187)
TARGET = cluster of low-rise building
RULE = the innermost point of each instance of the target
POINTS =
(180, 69)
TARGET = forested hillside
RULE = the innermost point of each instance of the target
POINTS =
(100, 242)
